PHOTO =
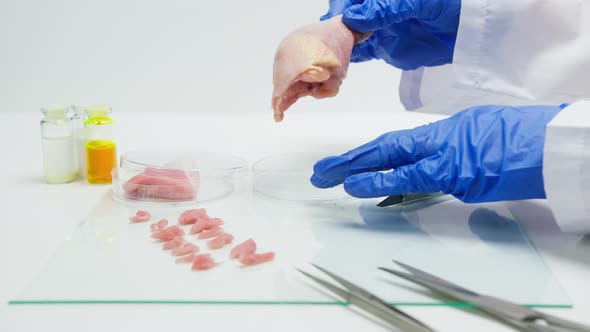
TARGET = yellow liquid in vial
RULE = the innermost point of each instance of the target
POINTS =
(101, 158)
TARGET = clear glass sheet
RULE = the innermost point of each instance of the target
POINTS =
(110, 260)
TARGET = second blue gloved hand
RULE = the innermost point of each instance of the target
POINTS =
(483, 154)
(406, 33)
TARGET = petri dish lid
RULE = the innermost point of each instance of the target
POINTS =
(203, 161)
(165, 176)
(286, 177)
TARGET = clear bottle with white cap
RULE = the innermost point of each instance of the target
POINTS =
(59, 161)
(78, 116)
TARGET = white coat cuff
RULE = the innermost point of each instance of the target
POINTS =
(471, 41)
(566, 167)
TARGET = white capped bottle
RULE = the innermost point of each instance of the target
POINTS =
(59, 161)
(78, 116)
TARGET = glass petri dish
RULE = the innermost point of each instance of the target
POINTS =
(175, 176)
(286, 177)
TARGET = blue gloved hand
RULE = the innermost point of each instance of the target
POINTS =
(483, 154)
(406, 33)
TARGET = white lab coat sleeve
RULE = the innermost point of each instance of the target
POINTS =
(523, 52)
(566, 167)
(509, 52)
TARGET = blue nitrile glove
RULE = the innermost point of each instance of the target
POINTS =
(406, 33)
(483, 154)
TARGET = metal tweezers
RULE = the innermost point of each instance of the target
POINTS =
(370, 303)
(520, 317)
(517, 316)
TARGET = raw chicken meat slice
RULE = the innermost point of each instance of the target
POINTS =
(203, 262)
(209, 233)
(254, 259)
(141, 216)
(220, 241)
(311, 61)
(174, 243)
(245, 248)
(187, 248)
(186, 259)
(191, 216)
(161, 183)
(203, 224)
(168, 234)
(160, 225)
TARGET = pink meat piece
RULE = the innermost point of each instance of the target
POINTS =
(209, 233)
(168, 234)
(186, 259)
(203, 224)
(160, 225)
(311, 61)
(187, 248)
(254, 259)
(191, 216)
(162, 183)
(176, 242)
(220, 241)
(245, 248)
(141, 216)
(203, 262)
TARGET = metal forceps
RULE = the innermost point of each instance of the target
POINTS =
(513, 314)
(370, 303)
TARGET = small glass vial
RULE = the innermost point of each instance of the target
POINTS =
(78, 116)
(101, 152)
(59, 161)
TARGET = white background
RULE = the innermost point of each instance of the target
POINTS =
(164, 56)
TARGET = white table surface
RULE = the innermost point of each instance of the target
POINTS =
(37, 217)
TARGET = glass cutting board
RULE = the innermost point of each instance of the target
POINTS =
(107, 259)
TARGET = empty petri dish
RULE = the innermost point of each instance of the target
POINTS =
(287, 176)
(175, 176)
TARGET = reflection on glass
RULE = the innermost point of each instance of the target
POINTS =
(479, 246)
(110, 260)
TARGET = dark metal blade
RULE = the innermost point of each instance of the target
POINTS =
(391, 200)
(394, 200)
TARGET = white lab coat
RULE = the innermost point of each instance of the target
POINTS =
(523, 52)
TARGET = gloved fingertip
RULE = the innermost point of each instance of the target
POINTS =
(319, 166)
(326, 16)
(322, 183)
(327, 168)
(564, 105)
(360, 185)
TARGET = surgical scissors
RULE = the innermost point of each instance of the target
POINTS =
(372, 304)
(518, 316)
